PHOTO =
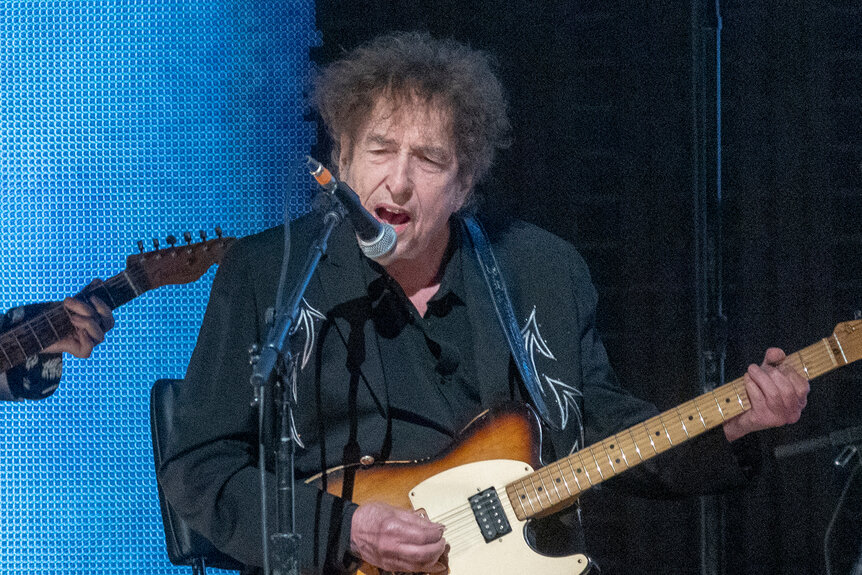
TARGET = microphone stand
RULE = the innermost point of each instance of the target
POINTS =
(283, 546)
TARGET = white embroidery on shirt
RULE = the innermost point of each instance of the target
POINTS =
(564, 396)
(307, 322)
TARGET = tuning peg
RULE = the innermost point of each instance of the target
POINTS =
(203, 235)
(172, 240)
(218, 231)
(141, 246)
(188, 237)
(156, 243)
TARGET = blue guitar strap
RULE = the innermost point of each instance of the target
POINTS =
(506, 315)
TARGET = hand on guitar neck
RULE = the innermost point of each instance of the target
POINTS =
(91, 318)
(777, 392)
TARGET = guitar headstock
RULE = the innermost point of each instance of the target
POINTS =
(848, 336)
(177, 264)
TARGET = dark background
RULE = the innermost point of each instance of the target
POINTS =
(603, 155)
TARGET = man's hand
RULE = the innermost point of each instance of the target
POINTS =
(777, 394)
(397, 540)
(91, 321)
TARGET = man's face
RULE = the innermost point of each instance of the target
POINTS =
(404, 168)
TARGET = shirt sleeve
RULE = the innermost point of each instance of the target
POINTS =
(211, 475)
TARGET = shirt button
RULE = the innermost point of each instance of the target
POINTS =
(366, 460)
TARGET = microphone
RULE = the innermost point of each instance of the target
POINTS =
(376, 239)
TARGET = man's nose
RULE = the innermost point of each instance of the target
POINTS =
(399, 180)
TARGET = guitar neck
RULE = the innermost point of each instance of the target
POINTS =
(557, 485)
(30, 337)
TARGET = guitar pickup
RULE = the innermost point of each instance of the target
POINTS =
(489, 515)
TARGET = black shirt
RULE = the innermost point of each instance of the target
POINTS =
(433, 384)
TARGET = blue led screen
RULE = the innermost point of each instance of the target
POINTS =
(122, 121)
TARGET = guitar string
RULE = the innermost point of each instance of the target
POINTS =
(465, 540)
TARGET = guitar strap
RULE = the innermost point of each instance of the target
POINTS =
(508, 321)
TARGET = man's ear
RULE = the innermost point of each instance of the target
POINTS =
(464, 192)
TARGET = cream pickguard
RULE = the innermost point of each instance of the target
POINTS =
(443, 499)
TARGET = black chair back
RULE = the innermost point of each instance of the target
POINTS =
(184, 545)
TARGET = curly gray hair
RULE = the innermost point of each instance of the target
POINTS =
(410, 66)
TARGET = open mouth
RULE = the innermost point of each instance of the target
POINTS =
(391, 217)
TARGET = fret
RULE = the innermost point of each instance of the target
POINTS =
(841, 349)
(706, 409)
(661, 420)
(575, 475)
(637, 447)
(718, 405)
(682, 421)
(565, 482)
(537, 490)
(609, 458)
(17, 339)
(598, 467)
(9, 362)
(617, 460)
(525, 496)
(623, 453)
(649, 435)
(585, 470)
(555, 480)
(700, 415)
(804, 365)
(742, 404)
(51, 325)
(829, 351)
(35, 336)
(132, 283)
(542, 477)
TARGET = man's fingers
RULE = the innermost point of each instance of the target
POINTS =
(77, 307)
(773, 356)
(423, 558)
(106, 315)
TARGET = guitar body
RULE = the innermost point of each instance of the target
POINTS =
(498, 447)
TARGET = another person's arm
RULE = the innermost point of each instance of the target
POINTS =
(39, 376)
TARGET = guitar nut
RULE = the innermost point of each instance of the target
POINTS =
(366, 460)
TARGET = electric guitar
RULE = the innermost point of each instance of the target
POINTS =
(144, 271)
(485, 488)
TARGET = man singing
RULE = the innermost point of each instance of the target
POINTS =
(398, 357)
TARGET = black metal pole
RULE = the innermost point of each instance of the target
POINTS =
(711, 322)
(284, 544)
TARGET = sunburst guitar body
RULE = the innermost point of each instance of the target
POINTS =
(464, 488)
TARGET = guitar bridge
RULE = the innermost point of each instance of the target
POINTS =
(489, 514)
